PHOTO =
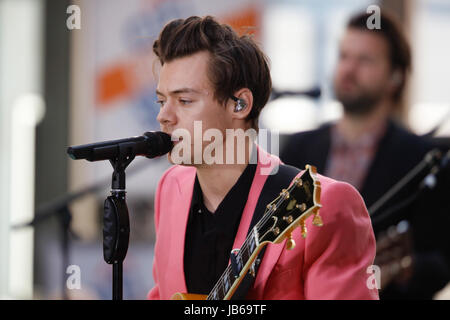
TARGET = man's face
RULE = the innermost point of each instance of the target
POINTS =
(186, 95)
(363, 72)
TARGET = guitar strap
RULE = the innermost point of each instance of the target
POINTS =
(271, 189)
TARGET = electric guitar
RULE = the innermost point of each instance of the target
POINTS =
(284, 214)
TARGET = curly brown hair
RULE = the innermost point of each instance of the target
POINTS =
(236, 61)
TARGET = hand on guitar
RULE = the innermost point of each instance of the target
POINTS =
(394, 254)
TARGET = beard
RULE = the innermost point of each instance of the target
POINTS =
(361, 101)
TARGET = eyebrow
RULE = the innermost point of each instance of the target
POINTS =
(178, 91)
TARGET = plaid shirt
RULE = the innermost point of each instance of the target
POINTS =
(350, 161)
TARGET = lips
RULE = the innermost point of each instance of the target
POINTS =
(348, 85)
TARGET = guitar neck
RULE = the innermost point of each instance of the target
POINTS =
(230, 279)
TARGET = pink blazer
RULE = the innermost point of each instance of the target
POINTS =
(331, 263)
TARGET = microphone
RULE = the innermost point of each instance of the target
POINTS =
(313, 93)
(150, 144)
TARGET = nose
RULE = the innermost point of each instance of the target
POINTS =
(167, 116)
(347, 69)
(346, 65)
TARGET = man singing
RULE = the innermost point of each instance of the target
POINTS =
(203, 209)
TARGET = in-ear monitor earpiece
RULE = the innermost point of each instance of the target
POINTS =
(240, 105)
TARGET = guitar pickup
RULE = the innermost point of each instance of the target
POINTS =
(236, 264)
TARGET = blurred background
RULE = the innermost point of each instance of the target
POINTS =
(75, 72)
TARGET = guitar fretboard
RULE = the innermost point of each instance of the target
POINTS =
(229, 276)
(251, 243)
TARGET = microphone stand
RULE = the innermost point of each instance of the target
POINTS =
(116, 224)
(432, 163)
(60, 208)
(65, 218)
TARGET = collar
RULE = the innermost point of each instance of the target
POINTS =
(234, 199)
(367, 140)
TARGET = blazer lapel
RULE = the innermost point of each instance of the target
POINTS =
(266, 164)
(182, 205)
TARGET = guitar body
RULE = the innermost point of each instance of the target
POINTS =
(188, 296)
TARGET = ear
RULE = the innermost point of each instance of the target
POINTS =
(246, 96)
(396, 78)
(395, 82)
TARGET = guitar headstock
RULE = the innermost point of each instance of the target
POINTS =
(291, 209)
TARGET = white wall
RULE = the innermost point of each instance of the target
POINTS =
(21, 107)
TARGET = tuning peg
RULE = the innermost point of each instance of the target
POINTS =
(317, 220)
(290, 244)
(284, 193)
(301, 207)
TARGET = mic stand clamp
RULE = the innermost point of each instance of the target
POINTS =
(116, 224)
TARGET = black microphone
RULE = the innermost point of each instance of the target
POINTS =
(313, 93)
(150, 144)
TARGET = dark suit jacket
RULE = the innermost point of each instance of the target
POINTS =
(399, 151)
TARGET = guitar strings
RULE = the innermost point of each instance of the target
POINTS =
(244, 246)
(228, 269)
(266, 216)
